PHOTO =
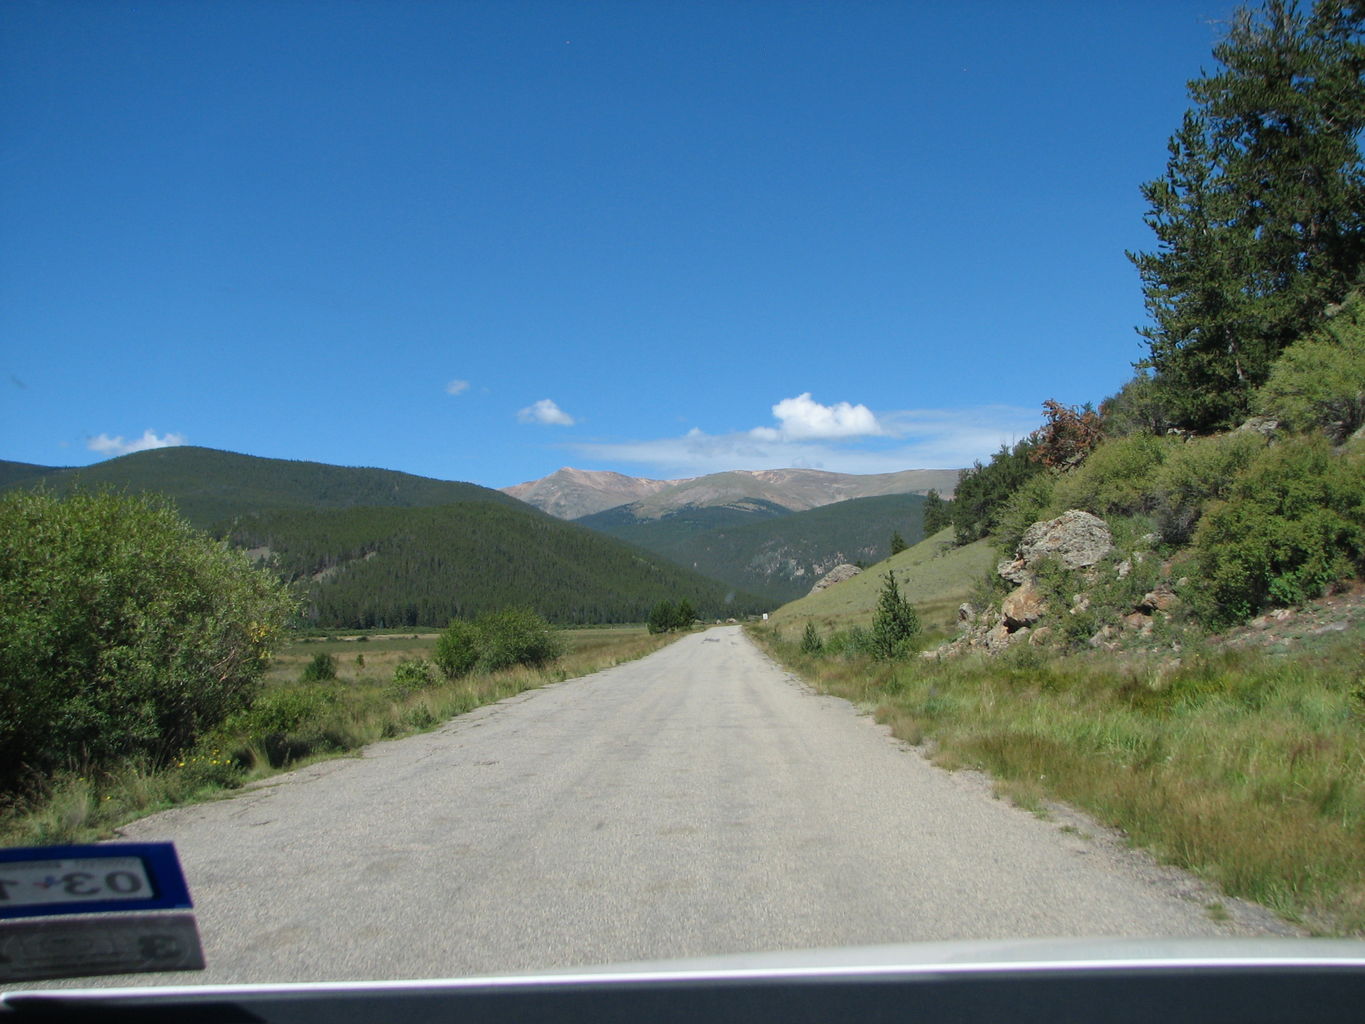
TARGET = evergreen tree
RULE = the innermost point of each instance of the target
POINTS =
(810, 640)
(897, 542)
(1260, 216)
(895, 623)
(937, 513)
(662, 617)
(685, 615)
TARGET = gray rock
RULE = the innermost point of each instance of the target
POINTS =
(836, 575)
(1077, 538)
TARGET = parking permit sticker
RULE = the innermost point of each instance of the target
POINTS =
(73, 911)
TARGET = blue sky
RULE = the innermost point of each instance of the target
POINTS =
(483, 240)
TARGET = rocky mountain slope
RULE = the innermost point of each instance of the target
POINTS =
(574, 493)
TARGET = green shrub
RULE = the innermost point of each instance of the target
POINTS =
(1318, 382)
(411, 675)
(665, 616)
(322, 668)
(497, 640)
(1137, 408)
(810, 640)
(1293, 523)
(124, 633)
(284, 710)
(1195, 473)
(516, 636)
(1032, 501)
(1116, 479)
(457, 649)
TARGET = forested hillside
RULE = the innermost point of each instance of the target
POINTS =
(17, 472)
(210, 486)
(392, 567)
(761, 547)
(670, 533)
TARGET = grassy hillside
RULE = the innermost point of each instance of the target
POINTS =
(210, 486)
(933, 575)
(387, 567)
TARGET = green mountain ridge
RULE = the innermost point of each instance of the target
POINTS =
(373, 547)
(209, 486)
(403, 567)
(759, 546)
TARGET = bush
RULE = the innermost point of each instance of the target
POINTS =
(1137, 408)
(1067, 436)
(665, 617)
(322, 668)
(1117, 478)
(516, 636)
(282, 711)
(411, 675)
(457, 649)
(1195, 473)
(124, 633)
(1030, 503)
(1318, 382)
(497, 640)
(1292, 524)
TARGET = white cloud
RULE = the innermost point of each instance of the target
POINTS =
(457, 387)
(545, 411)
(908, 439)
(802, 419)
(106, 445)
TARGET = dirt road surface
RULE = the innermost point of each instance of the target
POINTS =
(698, 801)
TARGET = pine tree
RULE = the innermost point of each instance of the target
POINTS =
(897, 542)
(1260, 216)
(895, 623)
(937, 513)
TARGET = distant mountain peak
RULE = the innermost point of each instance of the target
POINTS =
(573, 493)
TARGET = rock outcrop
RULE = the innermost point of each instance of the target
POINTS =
(1079, 541)
(836, 575)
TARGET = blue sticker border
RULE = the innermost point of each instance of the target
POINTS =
(170, 891)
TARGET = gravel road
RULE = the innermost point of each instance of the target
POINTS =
(698, 801)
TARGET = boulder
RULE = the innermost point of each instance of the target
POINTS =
(1160, 599)
(1022, 606)
(1077, 538)
(836, 575)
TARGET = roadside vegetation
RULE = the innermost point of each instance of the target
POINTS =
(1243, 767)
(1228, 478)
(143, 664)
(383, 687)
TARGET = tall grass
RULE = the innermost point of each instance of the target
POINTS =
(1246, 768)
(295, 722)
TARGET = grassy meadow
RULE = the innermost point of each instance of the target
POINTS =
(294, 722)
